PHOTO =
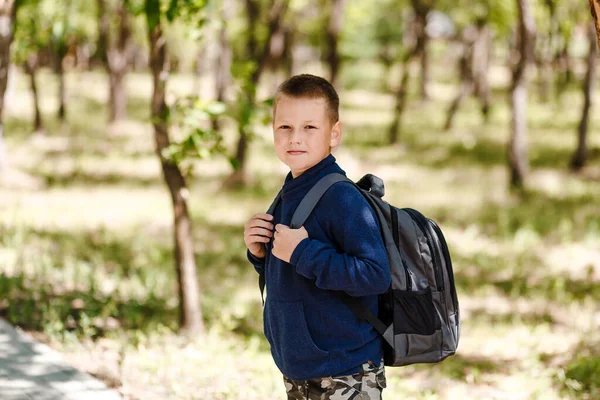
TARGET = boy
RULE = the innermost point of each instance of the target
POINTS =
(318, 344)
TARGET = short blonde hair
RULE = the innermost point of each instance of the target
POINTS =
(312, 87)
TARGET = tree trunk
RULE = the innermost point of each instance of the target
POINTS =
(334, 26)
(544, 78)
(581, 154)
(276, 54)
(223, 63)
(387, 62)
(277, 10)
(544, 60)
(62, 91)
(565, 68)
(103, 32)
(420, 47)
(474, 68)
(400, 99)
(116, 57)
(482, 51)
(118, 97)
(288, 52)
(517, 147)
(424, 67)
(238, 176)
(185, 264)
(8, 13)
(465, 71)
(595, 9)
(421, 11)
(31, 66)
(465, 89)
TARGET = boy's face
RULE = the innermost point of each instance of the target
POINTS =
(303, 133)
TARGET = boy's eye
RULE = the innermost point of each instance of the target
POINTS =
(311, 127)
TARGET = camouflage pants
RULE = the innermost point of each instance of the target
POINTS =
(365, 385)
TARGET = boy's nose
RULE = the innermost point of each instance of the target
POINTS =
(294, 138)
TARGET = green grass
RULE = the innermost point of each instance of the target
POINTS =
(86, 253)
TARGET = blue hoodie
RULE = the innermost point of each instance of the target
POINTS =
(312, 333)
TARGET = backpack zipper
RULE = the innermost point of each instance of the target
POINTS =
(420, 220)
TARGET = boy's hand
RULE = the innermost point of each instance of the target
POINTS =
(258, 231)
(285, 241)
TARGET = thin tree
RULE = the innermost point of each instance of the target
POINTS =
(334, 27)
(563, 62)
(595, 10)
(401, 92)
(421, 9)
(30, 40)
(259, 53)
(8, 15)
(482, 54)
(116, 56)
(473, 66)
(31, 67)
(280, 55)
(61, 28)
(517, 146)
(547, 44)
(581, 154)
(401, 95)
(185, 264)
(223, 60)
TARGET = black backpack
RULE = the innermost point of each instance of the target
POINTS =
(418, 315)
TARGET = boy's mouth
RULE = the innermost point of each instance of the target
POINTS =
(295, 152)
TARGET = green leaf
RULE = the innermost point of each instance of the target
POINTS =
(215, 108)
(173, 10)
(269, 102)
(152, 10)
(234, 163)
(203, 152)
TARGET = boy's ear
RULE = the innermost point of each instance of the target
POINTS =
(336, 134)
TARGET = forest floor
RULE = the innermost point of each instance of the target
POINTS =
(86, 259)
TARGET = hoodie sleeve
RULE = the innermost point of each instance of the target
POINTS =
(358, 263)
(259, 263)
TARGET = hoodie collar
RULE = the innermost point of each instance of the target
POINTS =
(298, 186)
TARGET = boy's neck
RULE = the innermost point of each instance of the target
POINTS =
(294, 176)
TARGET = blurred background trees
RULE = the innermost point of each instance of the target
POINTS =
(242, 39)
(470, 76)
(232, 43)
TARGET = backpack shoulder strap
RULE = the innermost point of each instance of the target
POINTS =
(274, 203)
(304, 209)
(310, 200)
(261, 276)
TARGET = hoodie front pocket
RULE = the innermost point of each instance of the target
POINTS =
(291, 338)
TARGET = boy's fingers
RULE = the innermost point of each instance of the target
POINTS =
(261, 232)
(261, 223)
(259, 238)
(280, 227)
(266, 217)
